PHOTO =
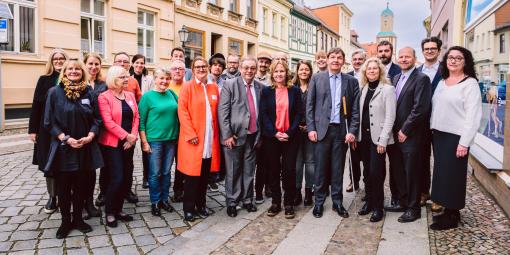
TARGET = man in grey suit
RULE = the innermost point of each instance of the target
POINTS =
(240, 133)
(326, 126)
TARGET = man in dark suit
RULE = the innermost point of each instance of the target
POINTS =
(326, 126)
(413, 103)
(239, 132)
(431, 49)
(385, 54)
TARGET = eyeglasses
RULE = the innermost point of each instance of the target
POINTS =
(123, 77)
(121, 62)
(430, 49)
(455, 59)
(249, 68)
(180, 69)
(58, 59)
(200, 67)
(358, 59)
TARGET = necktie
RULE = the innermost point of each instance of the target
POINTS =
(252, 127)
(400, 84)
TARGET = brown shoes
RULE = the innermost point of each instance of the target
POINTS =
(436, 207)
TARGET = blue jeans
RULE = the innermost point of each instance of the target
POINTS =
(160, 162)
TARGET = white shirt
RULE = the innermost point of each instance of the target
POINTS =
(356, 74)
(457, 110)
(252, 89)
(403, 79)
(430, 71)
(208, 125)
(387, 69)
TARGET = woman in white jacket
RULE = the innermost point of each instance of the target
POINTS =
(377, 114)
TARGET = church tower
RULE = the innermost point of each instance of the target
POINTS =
(386, 33)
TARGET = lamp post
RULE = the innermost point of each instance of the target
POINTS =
(183, 35)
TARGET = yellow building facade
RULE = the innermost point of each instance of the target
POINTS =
(274, 18)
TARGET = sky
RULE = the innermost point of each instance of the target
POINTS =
(407, 23)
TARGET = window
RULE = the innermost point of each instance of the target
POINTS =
(92, 26)
(233, 5)
(194, 47)
(275, 25)
(146, 35)
(283, 28)
(235, 47)
(264, 20)
(250, 9)
(22, 28)
(482, 43)
(215, 2)
(502, 43)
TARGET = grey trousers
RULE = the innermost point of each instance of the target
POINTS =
(51, 185)
(240, 172)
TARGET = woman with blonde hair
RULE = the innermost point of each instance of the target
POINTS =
(377, 106)
(280, 112)
(74, 153)
(39, 135)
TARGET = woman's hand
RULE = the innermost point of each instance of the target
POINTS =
(461, 151)
(193, 141)
(131, 138)
(146, 147)
(127, 145)
(282, 137)
(85, 140)
(74, 143)
(381, 149)
(33, 137)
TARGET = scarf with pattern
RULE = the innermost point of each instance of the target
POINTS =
(73, 90)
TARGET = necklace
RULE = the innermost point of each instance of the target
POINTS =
(371, 89)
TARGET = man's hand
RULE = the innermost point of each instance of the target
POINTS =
(193, 141)
(401, 136)
(146, 147)
(312, 135)
(461, 151)
(381, 149)
(230, 142)
(349, 138)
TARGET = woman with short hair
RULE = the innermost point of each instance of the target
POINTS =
(456, 115)
(118, 139)
(74, 153)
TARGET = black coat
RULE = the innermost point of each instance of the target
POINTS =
(267, 111)
(76, 119)
(99, 87)
(35, 124)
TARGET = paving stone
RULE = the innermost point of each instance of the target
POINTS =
(18, 219)
(128, 250)
(140, 231)
(5, 246)
(144, 240)
(177, 223)
(75, 242)
(24, 235)
(49, 233)
(98, 241)
(24, 245)
(51, 224)
(8, 227)
(97, 231)
(136, 224)
(120, 229)
(122, 239)
(103, 251)
(49, 243)
(51, 251)
(81, 251)
(147, 248)
(29, 225)
(11, 211)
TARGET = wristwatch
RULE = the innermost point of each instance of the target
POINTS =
(64, 141)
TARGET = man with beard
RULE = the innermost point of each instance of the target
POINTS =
(385, 53)
(431, 48)
(263, 63)
(232, 68)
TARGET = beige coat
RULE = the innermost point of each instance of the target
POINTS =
(382, 111)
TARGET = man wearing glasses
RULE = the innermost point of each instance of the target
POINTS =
(431, 49)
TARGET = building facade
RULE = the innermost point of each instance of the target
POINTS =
(139, 26)
(302, 36)
(217, 26)
(448, 21)
(386, 33)
(274, 18)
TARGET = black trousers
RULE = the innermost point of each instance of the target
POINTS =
(195, 188)
(119, 166)
(262, 172)
(425, 161)
(178, 177)
(405, 171)
(281, 158)
(90, 178)
(71, 190)
(356, 169)
(375, 166)
(330, 163)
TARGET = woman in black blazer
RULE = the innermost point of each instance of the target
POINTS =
(280, 113)
(39, 135)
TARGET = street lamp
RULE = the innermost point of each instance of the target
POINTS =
(183, 35)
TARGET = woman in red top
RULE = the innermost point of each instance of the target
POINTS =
(120, 119)
(280, 111)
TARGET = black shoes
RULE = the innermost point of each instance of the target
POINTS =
(189, 217)
(145, 184)
(177, 197)
(341, 211)
(231, 211)
(308, 197)
(124, 217)
(51, 205)
(165, 206)
(318, 210)
(366, 209)
(81, 226)
(213, 187)
(111, 221)
(395, 207)
(250, 207)
(377, 215)
(448, 220)
(91, 210)
(298, 198)
(274, 210)
(100, 199)
(289, 212)
(409, 215)
(155, 210)
(131, 197)
(204, 212)
(64, 229)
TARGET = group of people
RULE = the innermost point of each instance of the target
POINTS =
(257, 125)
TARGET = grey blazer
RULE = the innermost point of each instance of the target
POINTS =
(382, 109)
(233, 112)
(318, 104)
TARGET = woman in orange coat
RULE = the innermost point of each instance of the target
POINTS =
(199, 146)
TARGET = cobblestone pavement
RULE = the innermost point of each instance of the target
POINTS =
(26, 229)
(484, 228)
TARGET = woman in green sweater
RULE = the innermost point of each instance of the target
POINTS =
(159, 129)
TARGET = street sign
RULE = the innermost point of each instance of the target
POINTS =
(5, 11)
(4, 32)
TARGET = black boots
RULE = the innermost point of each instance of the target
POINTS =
(91, 210)
(308, 197)
(51, 205)
(298, 198)
(64, 228)
(448, 220)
